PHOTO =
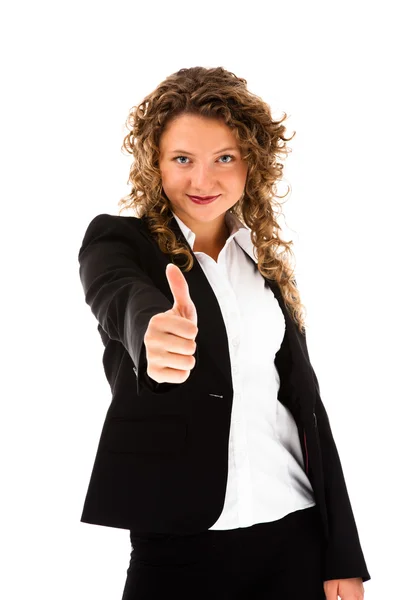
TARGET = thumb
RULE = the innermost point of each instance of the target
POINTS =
(183, 305)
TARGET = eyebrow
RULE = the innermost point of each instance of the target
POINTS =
(191, 154)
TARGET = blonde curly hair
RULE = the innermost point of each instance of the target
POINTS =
(215, 93)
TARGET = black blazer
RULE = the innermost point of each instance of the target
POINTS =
(162, 459)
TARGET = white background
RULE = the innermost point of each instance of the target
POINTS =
(345, 75)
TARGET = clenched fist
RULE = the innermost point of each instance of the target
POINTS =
(169, 338)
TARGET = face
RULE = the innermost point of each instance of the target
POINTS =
(193, 161)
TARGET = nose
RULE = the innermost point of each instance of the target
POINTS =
(203, 179)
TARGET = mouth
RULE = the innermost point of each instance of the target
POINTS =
(203, 199)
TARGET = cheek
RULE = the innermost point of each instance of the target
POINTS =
(235, 177)
(171, 178)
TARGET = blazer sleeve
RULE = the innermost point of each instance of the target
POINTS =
(344, 555)
(121, 295)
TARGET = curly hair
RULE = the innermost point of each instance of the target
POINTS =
(220, 94)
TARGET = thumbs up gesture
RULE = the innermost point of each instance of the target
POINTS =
(169, 338)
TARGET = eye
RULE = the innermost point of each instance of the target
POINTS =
(232, 157)
(225, 163)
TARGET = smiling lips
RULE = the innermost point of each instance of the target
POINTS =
(203, 197)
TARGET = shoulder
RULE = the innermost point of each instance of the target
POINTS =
(104, 220)
(106, 223)
(105, 228)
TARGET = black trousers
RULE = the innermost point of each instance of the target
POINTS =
(280, 560)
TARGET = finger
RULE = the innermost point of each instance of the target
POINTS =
(180, 291)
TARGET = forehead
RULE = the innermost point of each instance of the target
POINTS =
(190, 132)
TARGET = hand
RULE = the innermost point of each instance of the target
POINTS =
(347, 589)
(169, 338)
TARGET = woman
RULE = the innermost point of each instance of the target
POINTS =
(216, 451)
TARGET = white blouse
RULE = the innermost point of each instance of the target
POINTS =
(266, 478)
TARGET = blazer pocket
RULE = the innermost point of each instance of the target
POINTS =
(145, 435)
